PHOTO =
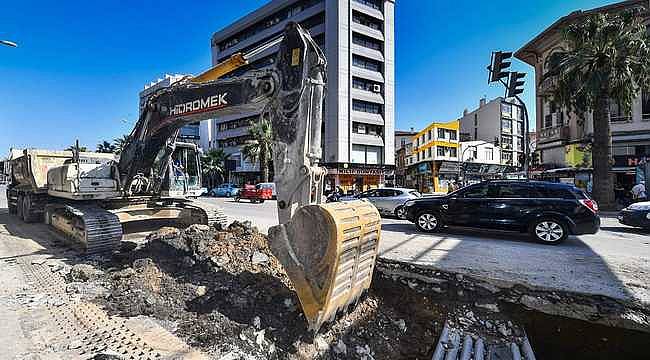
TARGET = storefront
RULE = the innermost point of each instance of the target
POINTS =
(357, 178)
(445, 175)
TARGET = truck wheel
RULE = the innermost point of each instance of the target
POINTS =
(19, 207)
(27, 212)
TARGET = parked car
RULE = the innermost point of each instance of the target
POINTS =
(548, 211)
(637, 215)
(269, 185)
(389, 201)
(254, 193)
(226, 189)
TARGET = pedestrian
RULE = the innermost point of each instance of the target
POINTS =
(638, 192)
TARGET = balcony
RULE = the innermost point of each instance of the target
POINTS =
(361, 7)
(368, 31)
(368, 52)
(365, 95)
(546, 86)
(367, 139)
(375, 76)
(556, 133)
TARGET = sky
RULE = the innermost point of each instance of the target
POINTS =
(80, 65)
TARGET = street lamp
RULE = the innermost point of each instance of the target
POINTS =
(461, 160)
(8, 43)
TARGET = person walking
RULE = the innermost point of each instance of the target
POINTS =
(639, 192)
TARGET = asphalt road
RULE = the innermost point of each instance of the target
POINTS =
(615, 262)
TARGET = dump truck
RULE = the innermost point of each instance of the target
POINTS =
(328, 250)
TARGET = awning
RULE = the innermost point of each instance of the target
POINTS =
(448, 167)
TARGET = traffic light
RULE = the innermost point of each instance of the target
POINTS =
(498, 65)
(515, 84)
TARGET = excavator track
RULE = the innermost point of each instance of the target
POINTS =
(92, 229)
(214, 215)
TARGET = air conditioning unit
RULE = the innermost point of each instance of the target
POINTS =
(376, 88)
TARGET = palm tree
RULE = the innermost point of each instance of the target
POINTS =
(73, 148)
(213, 164)
(259, 148)
(105, 147)
(120, 142)
(605, 59)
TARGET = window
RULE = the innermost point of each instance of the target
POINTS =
(515, 191)
(362, 19)
(366, 154)
(506, 142)
(506, 157)
(506, 110)
(365, 106)
(366, 41)
(520, 128)
(371, 3)
(429, 152)
(475, 119)
(489, 154)
(475, 192)
(453, 152)
(452, 135)
(365, 63)
(506, 126)
(440, 150)
(441, 133)
(616, 112)
(366, 85)
(645, 105)
(556, 192)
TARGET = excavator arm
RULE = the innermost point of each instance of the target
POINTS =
(328, 250)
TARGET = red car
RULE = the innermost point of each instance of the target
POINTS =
(254, 193)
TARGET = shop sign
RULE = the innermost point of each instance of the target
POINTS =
(448, 167)
(630, 160)
(578, 155)
(424, 167)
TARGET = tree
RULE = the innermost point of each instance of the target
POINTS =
(213, 164)
(606, 58)
(73, 147)
(105, 147)
(259, 148)
(120, 142)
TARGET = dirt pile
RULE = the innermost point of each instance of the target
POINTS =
(225, 293)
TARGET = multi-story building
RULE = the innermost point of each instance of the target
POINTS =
(404, 148)
(479, 161)
(498, 121)
(357, 37)
(189, 133)
(563, 139)
(435, 157)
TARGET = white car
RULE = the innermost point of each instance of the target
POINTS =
(389, 201)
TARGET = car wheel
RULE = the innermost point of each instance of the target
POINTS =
(228, 194)
(428, 221)
(400, 212)
(549, 231)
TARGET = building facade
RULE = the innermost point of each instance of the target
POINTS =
(403, 152)
(563, 139)
(497, 121)
(435, 157)
(188, 133)
(479, 161)
(357, 37)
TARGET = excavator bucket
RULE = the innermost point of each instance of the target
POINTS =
(329, 252)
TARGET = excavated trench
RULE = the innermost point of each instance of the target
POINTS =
(225, 294)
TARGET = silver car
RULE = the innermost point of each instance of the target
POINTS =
(389, 201)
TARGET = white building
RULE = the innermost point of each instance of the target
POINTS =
(500, 120)
(358, 39)
(189, 133)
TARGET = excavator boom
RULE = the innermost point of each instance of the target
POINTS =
(328, 251)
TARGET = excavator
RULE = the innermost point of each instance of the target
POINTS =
(328, 250)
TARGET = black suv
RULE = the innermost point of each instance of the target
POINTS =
(548, 211)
